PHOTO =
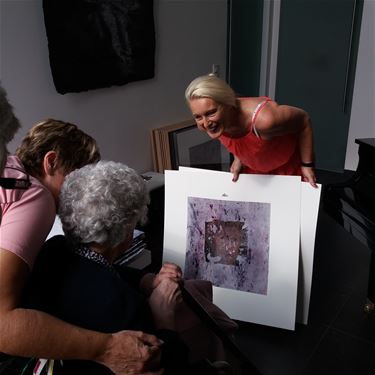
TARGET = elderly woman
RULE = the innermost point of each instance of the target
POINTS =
(100, 205)
(264, 137)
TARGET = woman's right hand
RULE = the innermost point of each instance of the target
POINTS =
(236, 168)
(133, 353)
(168, 271)
(163, 303)
(308, 175)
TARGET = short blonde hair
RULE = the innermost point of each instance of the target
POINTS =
(73, 147)
(210, 86)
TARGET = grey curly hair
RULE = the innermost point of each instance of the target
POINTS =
(101, 203)
(9, 125)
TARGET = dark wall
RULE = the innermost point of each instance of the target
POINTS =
(245, 37)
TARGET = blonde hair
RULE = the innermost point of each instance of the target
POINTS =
(210, 86)
(73, 147)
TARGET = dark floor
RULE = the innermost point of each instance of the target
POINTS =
(339, 337)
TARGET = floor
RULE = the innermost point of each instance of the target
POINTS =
(339, 337)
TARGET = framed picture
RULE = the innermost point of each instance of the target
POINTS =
(182, 144)
(245, 238)
(193, 148)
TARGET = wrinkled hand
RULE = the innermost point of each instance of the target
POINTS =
(163, 302)
(169, 271)
(308, 175)
(132, 353)
(236, 168)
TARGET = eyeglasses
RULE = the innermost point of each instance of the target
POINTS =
(15, 183)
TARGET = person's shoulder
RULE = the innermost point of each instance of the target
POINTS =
(54, 247)
(251, 103)
(58, 240)
(55, 251)
(36, 191)
(247, 100)
(265, 114)
(14, 161)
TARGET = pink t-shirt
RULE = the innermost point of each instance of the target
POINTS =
(26, 215)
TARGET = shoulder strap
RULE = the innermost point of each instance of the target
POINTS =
(255, 115)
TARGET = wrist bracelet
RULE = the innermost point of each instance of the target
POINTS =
(311, 164)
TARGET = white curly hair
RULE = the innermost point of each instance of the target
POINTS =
(9, 125)
(101, 203)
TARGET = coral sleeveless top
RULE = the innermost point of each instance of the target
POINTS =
(278, 156)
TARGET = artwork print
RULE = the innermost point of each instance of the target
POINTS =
(228, 243)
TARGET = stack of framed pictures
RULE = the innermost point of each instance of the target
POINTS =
(253, 239)
(182, 144)
(137, 247)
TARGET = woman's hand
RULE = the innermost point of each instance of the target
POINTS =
(133, 353)
(308, 175)
(163, 302)
(169, 271)
(236, 168)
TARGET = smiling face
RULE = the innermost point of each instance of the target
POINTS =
(209, 116)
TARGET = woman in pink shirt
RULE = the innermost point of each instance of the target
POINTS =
(263, 136)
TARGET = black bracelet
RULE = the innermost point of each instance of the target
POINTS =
(311, 164)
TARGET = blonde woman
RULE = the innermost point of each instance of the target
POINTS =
(263, 136)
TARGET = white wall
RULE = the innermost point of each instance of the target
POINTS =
(190, 36)
(362, 119)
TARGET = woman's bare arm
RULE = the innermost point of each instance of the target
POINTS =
(31, 333)
(276, 120)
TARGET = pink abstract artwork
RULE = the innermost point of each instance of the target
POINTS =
(228, 243)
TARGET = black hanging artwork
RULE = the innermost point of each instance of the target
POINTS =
(99, 43)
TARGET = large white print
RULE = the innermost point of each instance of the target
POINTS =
(245, 238)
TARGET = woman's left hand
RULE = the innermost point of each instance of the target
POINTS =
(168, 271)
(163, 302)
(308, 175)
(236, 168)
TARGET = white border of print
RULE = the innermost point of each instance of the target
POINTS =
(310, 199)
(278, 307)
